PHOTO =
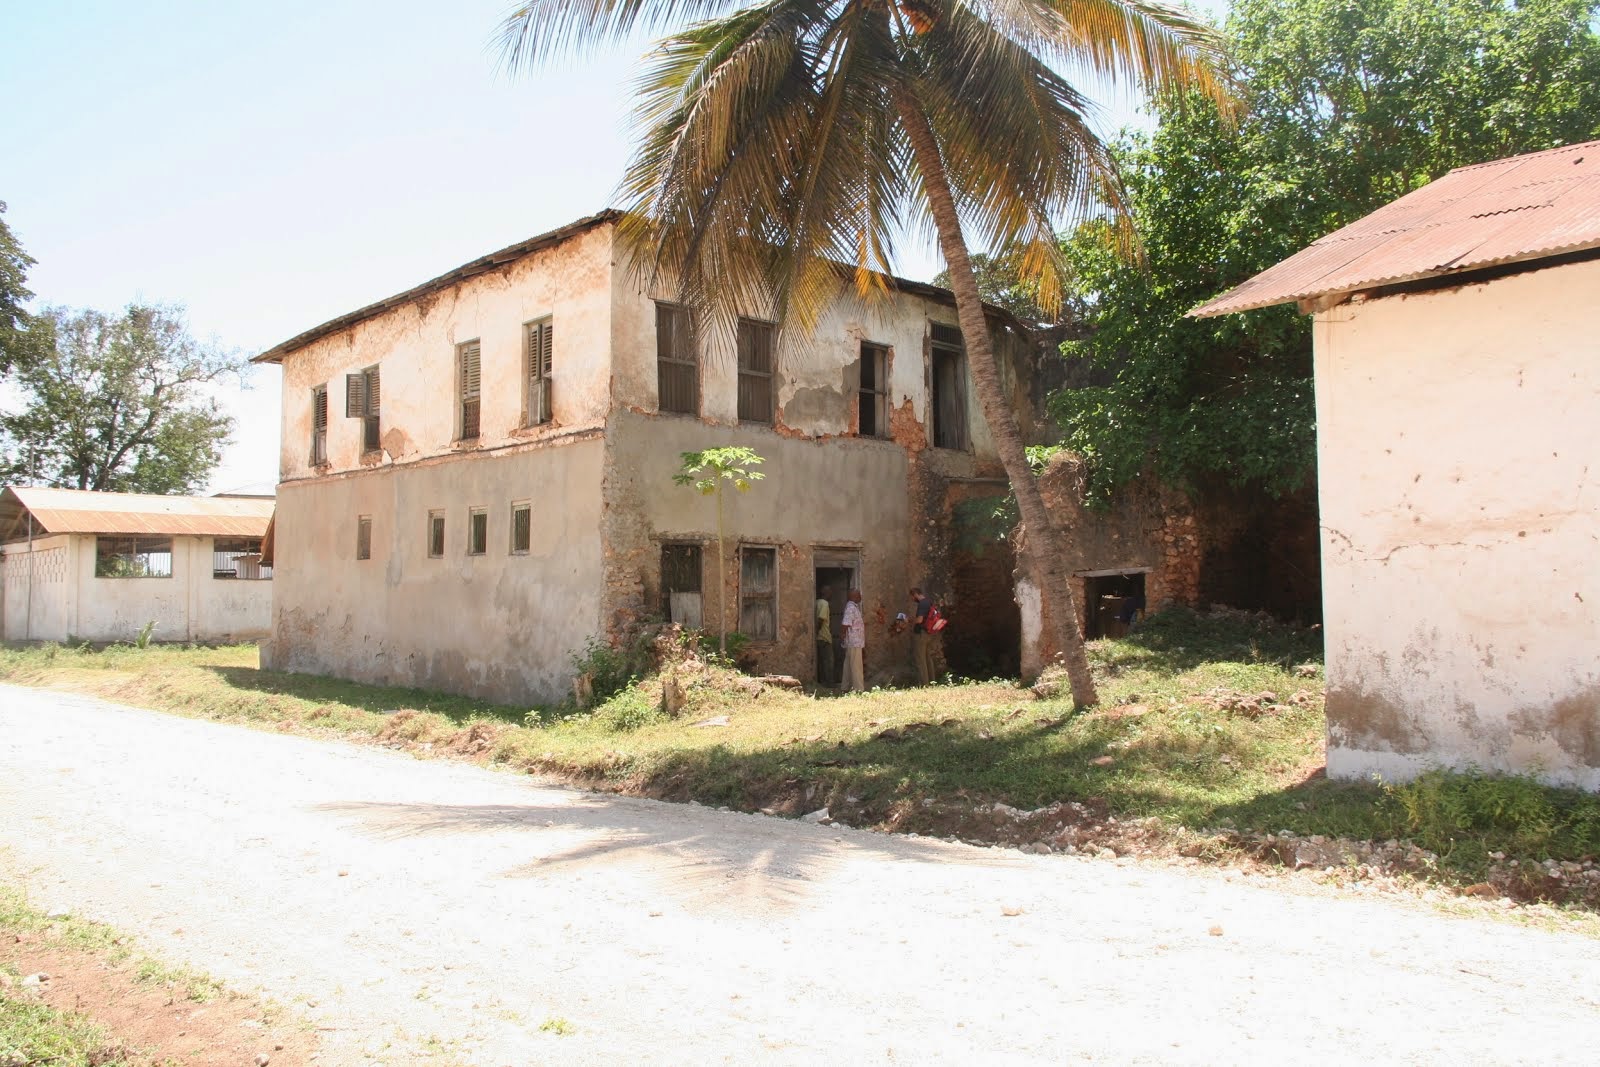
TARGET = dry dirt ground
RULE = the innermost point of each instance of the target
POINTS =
(434, 912)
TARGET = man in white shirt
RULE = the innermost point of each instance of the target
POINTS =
(855, 639)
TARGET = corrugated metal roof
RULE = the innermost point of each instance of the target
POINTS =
(59, 511)
(1509, 211)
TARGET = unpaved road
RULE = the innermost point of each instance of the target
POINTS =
(411, 905)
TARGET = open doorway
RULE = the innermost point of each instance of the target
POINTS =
(836, 574)
(1114, 602)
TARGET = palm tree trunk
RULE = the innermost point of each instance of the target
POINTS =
(1044, 557)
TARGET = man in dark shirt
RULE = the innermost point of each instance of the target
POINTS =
(921, 653)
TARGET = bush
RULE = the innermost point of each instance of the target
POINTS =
(609, 670)
(1514, 812)
(630, 710)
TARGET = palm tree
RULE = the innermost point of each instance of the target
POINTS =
(784, 144)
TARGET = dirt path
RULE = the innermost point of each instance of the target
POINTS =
(414, 908)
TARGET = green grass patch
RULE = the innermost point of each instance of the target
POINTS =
(1205, 722)
(36, 1035)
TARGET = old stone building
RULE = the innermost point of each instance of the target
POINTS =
(477, 473)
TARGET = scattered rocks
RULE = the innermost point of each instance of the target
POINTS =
(1011, 911)
(818, 816)
(1215, 931)
(35, 980)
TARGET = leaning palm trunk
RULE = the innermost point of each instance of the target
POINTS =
(1044, 555)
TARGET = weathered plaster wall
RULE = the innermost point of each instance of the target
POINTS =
(415, 348)
(498, 626)
(1457, 436)
(36, 586)
(191, 605)
(839, 494)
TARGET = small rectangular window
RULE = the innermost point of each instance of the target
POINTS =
(872, 399)
(435, 534)
(477, 531)
(521, 529)
(680, 584)
(469, 367)
(133, 557)
(364, 537)
(757, 343)
(949, 366)
(319, 425)
(758, 593)
(539, 351)
(238, 557)
(677, 366)
(362, 395)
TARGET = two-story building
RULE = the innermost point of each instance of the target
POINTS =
(477, 474)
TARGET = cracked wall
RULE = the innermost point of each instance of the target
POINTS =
(1458, 430)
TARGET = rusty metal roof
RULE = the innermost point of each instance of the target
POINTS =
(58, 511)
(1509, 211)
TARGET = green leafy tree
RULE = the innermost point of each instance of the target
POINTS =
(784, 144)
(709, 473)
(1351, 104)
(14, 264)
(116, 403)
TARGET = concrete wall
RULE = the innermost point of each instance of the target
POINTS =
(499, 626)
(415, 349)
(70, 601)
(1457, 436)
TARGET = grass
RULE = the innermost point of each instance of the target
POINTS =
(1206, 722)
(32, 1033)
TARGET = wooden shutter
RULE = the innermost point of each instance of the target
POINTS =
(319, 408)
(471, 371)
(355, 395)
(373, 392)
(539, 350)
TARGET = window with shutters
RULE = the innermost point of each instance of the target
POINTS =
(477, 531)
(364, 537)
(757, 341)
(238, 558)
(949, 387)
(521, 529)
(680, 584)
(872, 396)
(435, 534)
(758, 592)
(319, 426)
(361, 401)
(538, 346)
(469, 376)
(677, 364)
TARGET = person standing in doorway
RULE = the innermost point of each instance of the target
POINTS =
(825, 673)
(921, 649)
(855, 640)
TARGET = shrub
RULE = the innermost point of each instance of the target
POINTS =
(1515, 812)
(610, 670)
(630, 710)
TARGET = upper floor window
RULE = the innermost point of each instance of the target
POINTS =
(435, 534)
(319, 425)
(469, 375)
(872, 396)
(521, 529)
(677, 364)
(238, 557)
(949, 367)
(361, 401)
(538, 350)
(133, 557)
(756, 345)
(364, 537)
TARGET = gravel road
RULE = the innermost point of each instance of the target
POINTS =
(408, 905)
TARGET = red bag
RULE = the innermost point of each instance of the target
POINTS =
(934, 620)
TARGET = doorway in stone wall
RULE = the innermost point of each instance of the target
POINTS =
(1113, 600)
(837, 572)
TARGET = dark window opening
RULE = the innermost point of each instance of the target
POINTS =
(521, 529)
(758, 593)
(436, 534)
(133, 557)
(949, 388)
(872, 400)
(477, 531)
(757, 341)
(677, 368)
(238, 557)
(364, 537)
(1115, 604)
(681, 585)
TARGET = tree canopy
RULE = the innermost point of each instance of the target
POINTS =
(14, 264)
(1350, 104)
(116, 403)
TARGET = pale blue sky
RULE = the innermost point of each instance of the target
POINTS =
(272, 166)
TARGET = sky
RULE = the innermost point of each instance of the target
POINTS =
(270, 167)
